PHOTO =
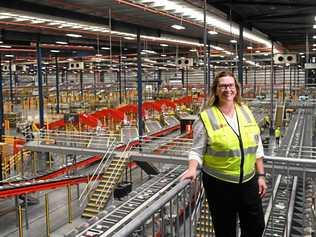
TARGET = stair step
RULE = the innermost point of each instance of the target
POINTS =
(102, 200)
(91, 209)
(87, 215)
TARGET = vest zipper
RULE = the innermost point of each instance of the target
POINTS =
(242, 159)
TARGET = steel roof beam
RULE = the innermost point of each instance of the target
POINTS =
(262, 3)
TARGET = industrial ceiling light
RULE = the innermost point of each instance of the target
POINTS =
(257, 51)
(212, 32)
(73, 35)
(9, 55)
(301, 53)
(20, 16)
(149, 51)
(178, 27)
(61, 42)
(227, 52)
(190, 12)
(192, 50)
(54, 51)
(314, 36)
(6, 46)
(233, 41)
(163, 55)
(128, 38)
(164, 45)
(249, 47)
(217, 48)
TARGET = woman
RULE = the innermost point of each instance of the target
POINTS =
(228, 148)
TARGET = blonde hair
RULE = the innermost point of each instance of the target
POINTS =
(213, 98)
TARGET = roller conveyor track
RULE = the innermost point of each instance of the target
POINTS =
(277, 211)
(142, 197)
(287, 202)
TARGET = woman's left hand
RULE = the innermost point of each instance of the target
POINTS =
(262, 186)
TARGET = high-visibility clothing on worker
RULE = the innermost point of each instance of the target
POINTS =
(230, 156)
(277, 132)
(266, 119)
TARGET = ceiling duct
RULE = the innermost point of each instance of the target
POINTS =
(285, 58)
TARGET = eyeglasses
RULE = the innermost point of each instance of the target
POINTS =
(224, 86)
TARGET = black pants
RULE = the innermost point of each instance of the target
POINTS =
(227, 200)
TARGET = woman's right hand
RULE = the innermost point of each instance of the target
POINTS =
(189, 174)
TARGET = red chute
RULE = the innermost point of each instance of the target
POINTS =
(128, 108)
(167, 103)
(111, 113)
(88, 120)
(56, 124)
(152, 105)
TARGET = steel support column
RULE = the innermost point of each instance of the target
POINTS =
(1, 105)
(255, 80)
(283, 93)
(57, 85)
(95, 83)
(125, 87)
(290, 81)
(204, 50)
(306, 59)
(119, 78)
(40, 84)
(11, 82)
(81, 84)
(1, 117)
(159, 82)
(265, 78)
(271, 91)
(240, 57)
(139, 86)
(187, 80)
(182, 76)
(208, 68)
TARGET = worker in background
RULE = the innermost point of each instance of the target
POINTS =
(277, 134)
(266, 121)
(228, 148)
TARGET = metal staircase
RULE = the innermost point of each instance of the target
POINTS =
(279, 114)
(112, 173)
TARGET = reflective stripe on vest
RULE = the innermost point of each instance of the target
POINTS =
(225, 177)
(231, 153)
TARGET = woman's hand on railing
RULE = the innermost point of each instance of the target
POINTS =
(190, 173)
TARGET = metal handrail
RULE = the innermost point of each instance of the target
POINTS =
(118, 167)
(99, 169)
(141, 218)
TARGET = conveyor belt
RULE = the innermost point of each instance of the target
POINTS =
(142, 197)
(277, 212)
(286, 198)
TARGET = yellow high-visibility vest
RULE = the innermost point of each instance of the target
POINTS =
(277, 132)
(230, 157)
